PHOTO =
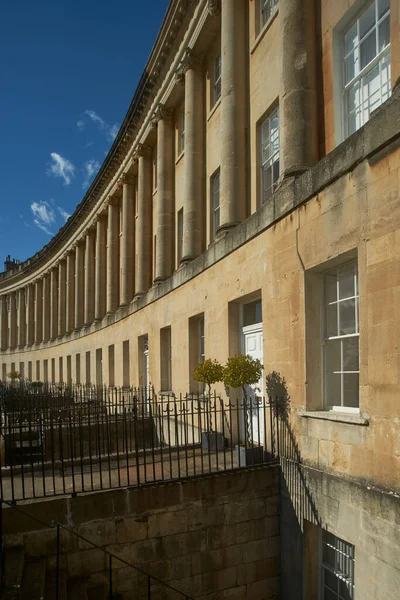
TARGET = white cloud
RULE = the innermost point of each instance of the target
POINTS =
(61, 167)
(109, 130)
(90, 167)
(43, 216)
(65, 215)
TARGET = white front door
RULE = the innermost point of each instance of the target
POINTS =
(253, 346)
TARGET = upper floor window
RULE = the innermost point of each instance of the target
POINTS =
(341, 337)
(337, 568)
(181, 132)
(269, 153)
(267, 9)
(215, 206)
(366, 51)
(217, 79)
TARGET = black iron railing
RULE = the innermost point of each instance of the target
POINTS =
(143, 583)
(107, 438)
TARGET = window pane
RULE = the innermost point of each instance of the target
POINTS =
(353, 97)
(333, 355)
(331, 287)
(367, 20)
(333, 395)
(384, 33)
(385, 78)
(350, 354)
(328, 595)
(275, 171)
(350, 39)
(346, 590)
(351, 68)
(371, 90)
(267, 182)
(252, 313)
(347, 317)
(351, 390)
(346, 281)
(383, 6)
(331, 320)
(330, 580)
(367, 50)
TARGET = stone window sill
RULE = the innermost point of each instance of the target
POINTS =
(350, 418)
(264, 30)
(181, 155)
(214, 108)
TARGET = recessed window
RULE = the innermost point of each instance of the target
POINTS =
(366, 64)
(341, 337)
(215, 206)
(337, 576)
(217, 79)
(181, 132)
(180, 235)
(267, 9)
(252, 313)
(166, 359)
(269, 154)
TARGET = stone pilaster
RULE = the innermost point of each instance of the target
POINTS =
(233, 113)
(21, 318)
(100, 275)
(143, 222)
(127, 284)
(193, 208)
(89, 276)
(298, 98)
(79, 284)
(46, 308)
(62, 275)
(38, 311)
(54, 303)
(165, 194)
(70, 294)
(3, 323)
(112, 256)
(30, 319)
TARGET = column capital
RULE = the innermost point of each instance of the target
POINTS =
(214, 7)
(179, 76)
(126, 178)
(191, 60)
(164, 113)
(142, 150)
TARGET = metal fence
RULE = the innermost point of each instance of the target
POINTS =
(72, 440)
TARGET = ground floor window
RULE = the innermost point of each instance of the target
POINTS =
(337, 568)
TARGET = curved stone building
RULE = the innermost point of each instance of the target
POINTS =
(250, 203)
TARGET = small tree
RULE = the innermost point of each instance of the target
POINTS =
(14, 376)
(209, 372)
(277, 392)
(240, 372)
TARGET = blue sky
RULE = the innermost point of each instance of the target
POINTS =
(68, 71)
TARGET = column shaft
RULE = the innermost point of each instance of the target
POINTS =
(3, 322)
(113, 258)
(89, 277)
(165, 197)
(54, 303)
(233, 113)
(62, 274)
(21, 318)
(31, 315)
(38, 311)
(46, 308)
(70, 294)
(299, 108)
(13, 320)
(128, 243)
(100, 276)
(79, 285)
(144, 229)
(193, 207)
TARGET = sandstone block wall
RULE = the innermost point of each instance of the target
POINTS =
(215, 537)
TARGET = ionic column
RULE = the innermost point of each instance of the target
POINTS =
(3, 322)
(21, 318)
(165, 193)
(46, 308)
(128, 240)
(54, 303)
(89, 277)
(30, 320)
(298, 98)
(38, 311)
(12, 337)
(62, 274)
(144, 219)
(112, 257)
(100, 275)
(79, 284)
(193, 207)
(70, 293)
(233, 113)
